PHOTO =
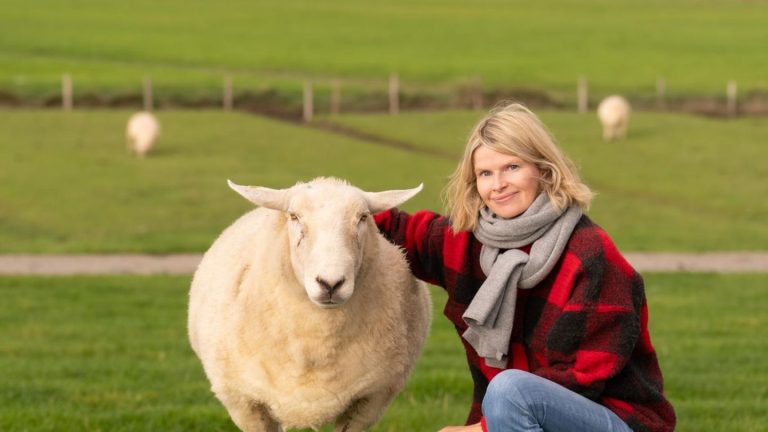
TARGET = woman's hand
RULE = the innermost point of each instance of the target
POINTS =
(471, 428)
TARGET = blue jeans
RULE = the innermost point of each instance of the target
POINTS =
(520, 401)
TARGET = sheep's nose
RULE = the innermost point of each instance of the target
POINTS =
(330, 287)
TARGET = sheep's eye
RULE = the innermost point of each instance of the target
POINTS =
(294, 217)
(364, 217)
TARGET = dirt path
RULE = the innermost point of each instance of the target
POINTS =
(185, 264)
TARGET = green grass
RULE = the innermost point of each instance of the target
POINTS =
(619, 45)
(710, 332)
(100, 354)
(111, 353)
(67, 184)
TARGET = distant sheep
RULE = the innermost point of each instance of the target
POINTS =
(613, 112)
(142, 132)
(302, 314)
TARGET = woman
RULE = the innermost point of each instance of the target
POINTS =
(553, 319)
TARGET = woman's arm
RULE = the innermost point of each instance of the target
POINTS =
(477, 427)
(599, 319)
(592, 342)
(426, 238)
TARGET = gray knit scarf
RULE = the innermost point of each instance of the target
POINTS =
(491, 314)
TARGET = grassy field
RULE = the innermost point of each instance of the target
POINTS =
(68, 185)
(187, 46)
(110, 353)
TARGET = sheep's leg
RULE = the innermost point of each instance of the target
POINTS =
(249, 416)
(253, 419)
(623, 129)
(363, 413)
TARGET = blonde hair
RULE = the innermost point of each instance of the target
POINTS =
(514, 130)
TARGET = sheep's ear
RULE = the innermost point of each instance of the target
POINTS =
(275, 199)
(380, 201)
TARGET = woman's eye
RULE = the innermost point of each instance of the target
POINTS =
(512, 167)
(483, 173)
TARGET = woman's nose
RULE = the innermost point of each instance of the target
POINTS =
(498, 183)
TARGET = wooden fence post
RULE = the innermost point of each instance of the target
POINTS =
(394, 94)
(226, 99)
(147, 85)
(582, 95)
(66, 92)
(308, 102)
(731, 92)
(335, 97)
(661, 90)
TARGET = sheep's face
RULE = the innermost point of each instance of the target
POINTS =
(327, 238)
(329, 225)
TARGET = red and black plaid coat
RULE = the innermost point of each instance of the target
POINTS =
(585, 326)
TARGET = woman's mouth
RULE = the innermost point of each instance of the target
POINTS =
(504, 198)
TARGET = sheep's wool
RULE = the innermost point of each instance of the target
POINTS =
(302, 314)
(141, 132)
(613, 113)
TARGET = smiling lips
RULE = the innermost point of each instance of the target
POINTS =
(504, 198)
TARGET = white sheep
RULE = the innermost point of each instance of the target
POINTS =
(613, 113)
(142, 132)
(302, 314)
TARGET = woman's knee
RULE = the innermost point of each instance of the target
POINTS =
(508, 391)
(514, 380)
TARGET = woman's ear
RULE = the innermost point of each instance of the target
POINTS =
(546, 176)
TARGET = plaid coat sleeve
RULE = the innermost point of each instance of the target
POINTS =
(434, 253)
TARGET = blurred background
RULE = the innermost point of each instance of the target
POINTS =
(384, 95)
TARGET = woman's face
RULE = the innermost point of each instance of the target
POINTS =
(507, 184)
